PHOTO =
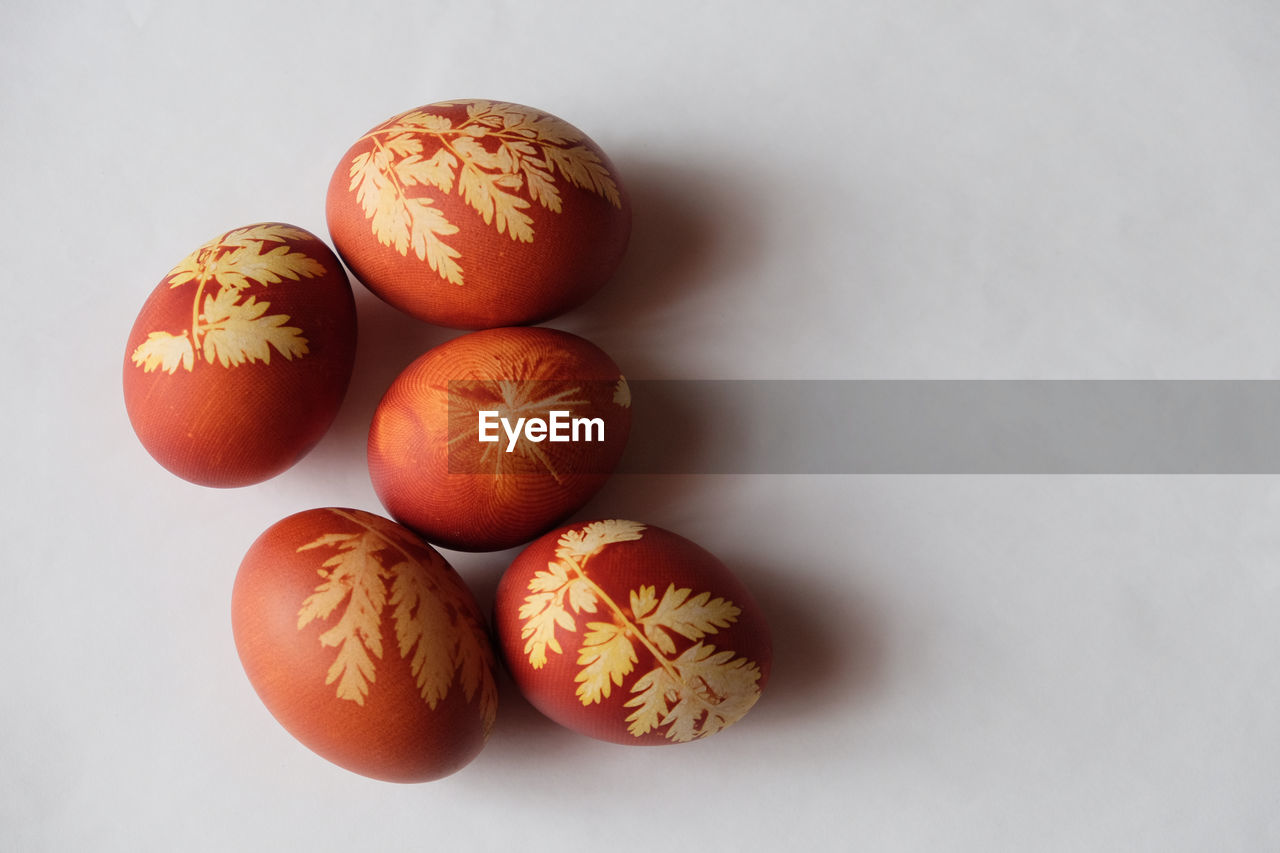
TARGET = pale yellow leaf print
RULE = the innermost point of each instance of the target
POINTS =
(697, 694)
(225, 329)
(435, 610)
(654, 690)
(718, 689)
(492, 195)
(427, 226)
(242, 267)
(428, 122)
(165, 351)
(329, 539)
(581, 595)
(555, 576)
(478, 158)
(404, 144)
(230, 258)
(692, 693)
(622, 393)
(544, 609)
(422, 630)
(481, 112)
(474, 664)
(401, 221)
(436, 630)
(584, 543)
(606, 657)
(692, 617)
(238, 332)
(541, 613)
(271, 232)
(496, 156)
(354, 575)
(563, 585)
(435, 171)
(584, 169)
(643, 601)
(541, 183)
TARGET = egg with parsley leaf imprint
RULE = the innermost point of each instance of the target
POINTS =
(630, 633)
(476, 214)
(239, 360)
(492, 438)
(365, 645)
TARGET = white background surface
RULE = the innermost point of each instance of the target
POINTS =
(883, 189)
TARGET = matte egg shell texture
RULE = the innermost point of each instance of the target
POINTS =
(365, 645)
(432, 472)
(631, 634)
(240, 358)
(476, 214)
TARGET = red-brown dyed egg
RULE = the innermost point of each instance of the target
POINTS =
(240, 358)
(365, 645)
(433, 472)
(631, 634)
(476, 214)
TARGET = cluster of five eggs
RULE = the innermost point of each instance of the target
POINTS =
(357, 635)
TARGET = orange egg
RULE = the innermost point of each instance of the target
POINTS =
(239, 360)
(365, 645)
(631, 634)
(454, 447)
(476, 214)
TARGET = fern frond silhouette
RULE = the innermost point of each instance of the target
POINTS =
(434, 632)
(691, 694)
(502, 159)
(226, 327)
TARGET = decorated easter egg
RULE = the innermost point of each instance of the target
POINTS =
(365, 645)
(631, 634)
(239, 360)
(476, 214)
(492, 438)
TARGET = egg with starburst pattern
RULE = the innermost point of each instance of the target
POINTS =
(492, 438)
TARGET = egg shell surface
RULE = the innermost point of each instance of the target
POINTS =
(431, 471)
(365, 645)
(475, 214)
(238, 361)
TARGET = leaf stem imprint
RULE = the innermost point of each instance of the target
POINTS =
(621, 618)
(389, 173)
(378, 534)
(223, 327)
(690, 693)
(195, 313)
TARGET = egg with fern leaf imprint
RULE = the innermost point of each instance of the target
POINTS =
(476, 214)
(239, 360)
(365, 645)
(632, 634)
